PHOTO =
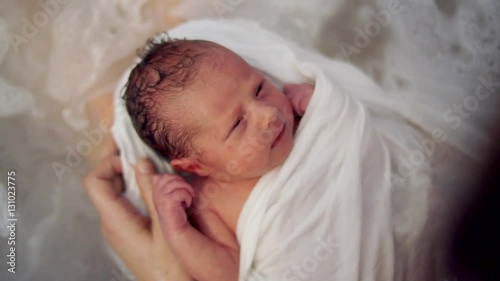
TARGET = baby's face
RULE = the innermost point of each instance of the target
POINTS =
(245, 122)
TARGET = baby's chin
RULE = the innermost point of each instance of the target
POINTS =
(276, 162)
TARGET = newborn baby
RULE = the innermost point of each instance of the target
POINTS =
(366, 192)
(216, 117)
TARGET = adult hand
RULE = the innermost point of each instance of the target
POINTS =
(137, 239)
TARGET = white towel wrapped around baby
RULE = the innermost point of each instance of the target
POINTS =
(345, 205)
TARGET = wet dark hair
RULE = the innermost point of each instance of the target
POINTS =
(166, 68)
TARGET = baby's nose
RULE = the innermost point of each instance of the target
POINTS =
(269, 118)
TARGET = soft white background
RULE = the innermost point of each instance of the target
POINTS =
(82, 48)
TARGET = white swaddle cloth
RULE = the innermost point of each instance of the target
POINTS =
(339, 207)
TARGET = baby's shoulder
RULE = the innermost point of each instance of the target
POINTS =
(225, 202)
(210, 220)
(205, 201)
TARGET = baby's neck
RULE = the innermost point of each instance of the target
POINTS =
(201, 183)
(226, 199)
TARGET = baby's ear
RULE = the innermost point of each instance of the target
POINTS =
(188, 165)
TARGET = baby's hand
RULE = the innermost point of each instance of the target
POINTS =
(299, 95)
(178, 197)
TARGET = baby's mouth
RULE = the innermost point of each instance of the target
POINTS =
(279, 136)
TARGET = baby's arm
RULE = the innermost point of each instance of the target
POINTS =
(299, 95)
(203, 257)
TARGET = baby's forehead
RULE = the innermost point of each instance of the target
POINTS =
(222, 61)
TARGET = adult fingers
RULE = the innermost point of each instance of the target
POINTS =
(118, 216)
(108, 170)
(109, 146)
(144, 172)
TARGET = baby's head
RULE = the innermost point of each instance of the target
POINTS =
(206, 109)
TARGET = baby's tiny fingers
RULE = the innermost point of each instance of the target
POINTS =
(182, 196)
(190, 189)
(173, 218)
(161, 179)
(170, 182)
(179, 182)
